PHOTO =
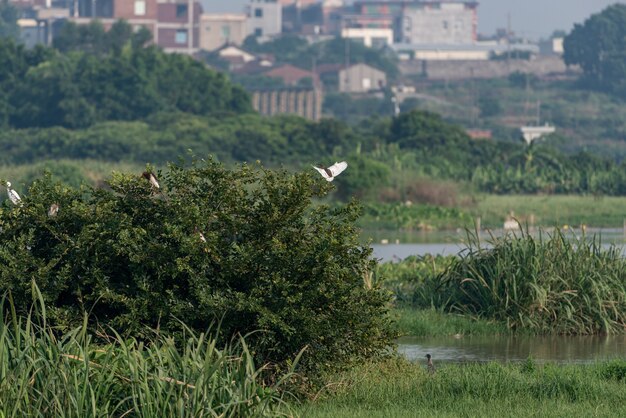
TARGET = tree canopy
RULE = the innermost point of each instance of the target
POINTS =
(599, 47)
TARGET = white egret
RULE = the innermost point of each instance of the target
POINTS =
(54, 209)
(329, 173)
(13, 195)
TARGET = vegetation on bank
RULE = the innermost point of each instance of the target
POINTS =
(79, 373)
(244, 247)
(398, 388)
(550, 283)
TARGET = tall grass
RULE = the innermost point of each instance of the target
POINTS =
(549, 283)
(398, 388)
(42, 374)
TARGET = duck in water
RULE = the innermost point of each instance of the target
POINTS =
(429, 364)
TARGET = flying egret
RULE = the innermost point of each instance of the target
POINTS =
(13, 196)
(151, 178)
(54, 209)
(329, 173)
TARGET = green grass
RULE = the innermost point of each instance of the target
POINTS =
(431, 323)
(398, 388)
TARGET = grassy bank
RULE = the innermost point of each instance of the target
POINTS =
(431, 323)
(397, 388)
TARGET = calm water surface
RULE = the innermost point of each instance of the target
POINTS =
(558, 349)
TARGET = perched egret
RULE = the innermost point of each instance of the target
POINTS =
(329, 173)
(429, 364)
(13, 196)
(200, 234)
(54, 209)
(151, 178)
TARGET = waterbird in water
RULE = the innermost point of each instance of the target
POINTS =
(329, 173)
(151, 178)
(54, 209)
(429, 364)
(13, 196)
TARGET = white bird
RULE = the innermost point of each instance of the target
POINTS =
(54, 209)
(151, 178)
(13, 196)
(329, 173)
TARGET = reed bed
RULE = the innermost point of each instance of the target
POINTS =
(546, 283)
(398, 388)
(76, 375)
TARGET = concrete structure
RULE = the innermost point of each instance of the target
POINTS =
(217, 30)
(373, 38)
(552, 46)
(305, 102)
(439, 22)
(531, 133)
(178, 25)
(361, 78)
(265, 17)
(450, 52)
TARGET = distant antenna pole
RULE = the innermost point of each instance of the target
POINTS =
(508, 39)
(538, 112)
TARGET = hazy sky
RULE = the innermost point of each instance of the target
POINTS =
(530, 18)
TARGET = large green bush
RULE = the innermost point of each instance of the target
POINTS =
(242, 247)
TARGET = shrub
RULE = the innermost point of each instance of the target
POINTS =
(244, 247)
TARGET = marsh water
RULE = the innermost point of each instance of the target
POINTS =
(557, 349)
(395, 246)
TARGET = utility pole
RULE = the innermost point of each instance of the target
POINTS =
(190, 21)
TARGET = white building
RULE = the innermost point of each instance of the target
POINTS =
(439, 22)
(370, 37)
(221, 29)
(265, 17)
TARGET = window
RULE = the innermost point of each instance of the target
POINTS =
(258, 12)
(181, 36)
(366, 83)
(181, 11)
(258, 32)
(445, 24)
(226, 31)
(140, 7)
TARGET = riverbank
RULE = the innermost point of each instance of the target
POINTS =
(433, 323)
(398, 388)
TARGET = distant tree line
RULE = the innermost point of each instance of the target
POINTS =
(93, 76)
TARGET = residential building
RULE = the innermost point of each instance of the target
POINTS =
(178, 23)
(217, 30)
(241, 61)
(370, 37)
(265, 17)
(479, 51)
(440, 22)
(137, 13)
(361, 78)
(292, 76)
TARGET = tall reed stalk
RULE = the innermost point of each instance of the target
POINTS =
(72, 375)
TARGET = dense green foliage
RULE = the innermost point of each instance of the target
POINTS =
(241, 247)
(46, 374)
(544, 284)
(8, 20)
(399, 388)
(115, 81)
(598, 46)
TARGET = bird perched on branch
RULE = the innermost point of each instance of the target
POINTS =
(429, 364)
(54, 209)
(151, 178)
(14, 197)
(329, 173)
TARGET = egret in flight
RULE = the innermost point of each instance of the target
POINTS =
(13, 196)
(329, 173)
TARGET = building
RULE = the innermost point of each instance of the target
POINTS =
(217, 30)
(361, 78)
(293, 76)
(417, 22)
(302, 101)
(370, 37)
(178, 25)
(440, 22)
(136, 12)
(265, 17)
(479, 51)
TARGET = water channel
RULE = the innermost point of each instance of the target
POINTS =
(389, 246)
